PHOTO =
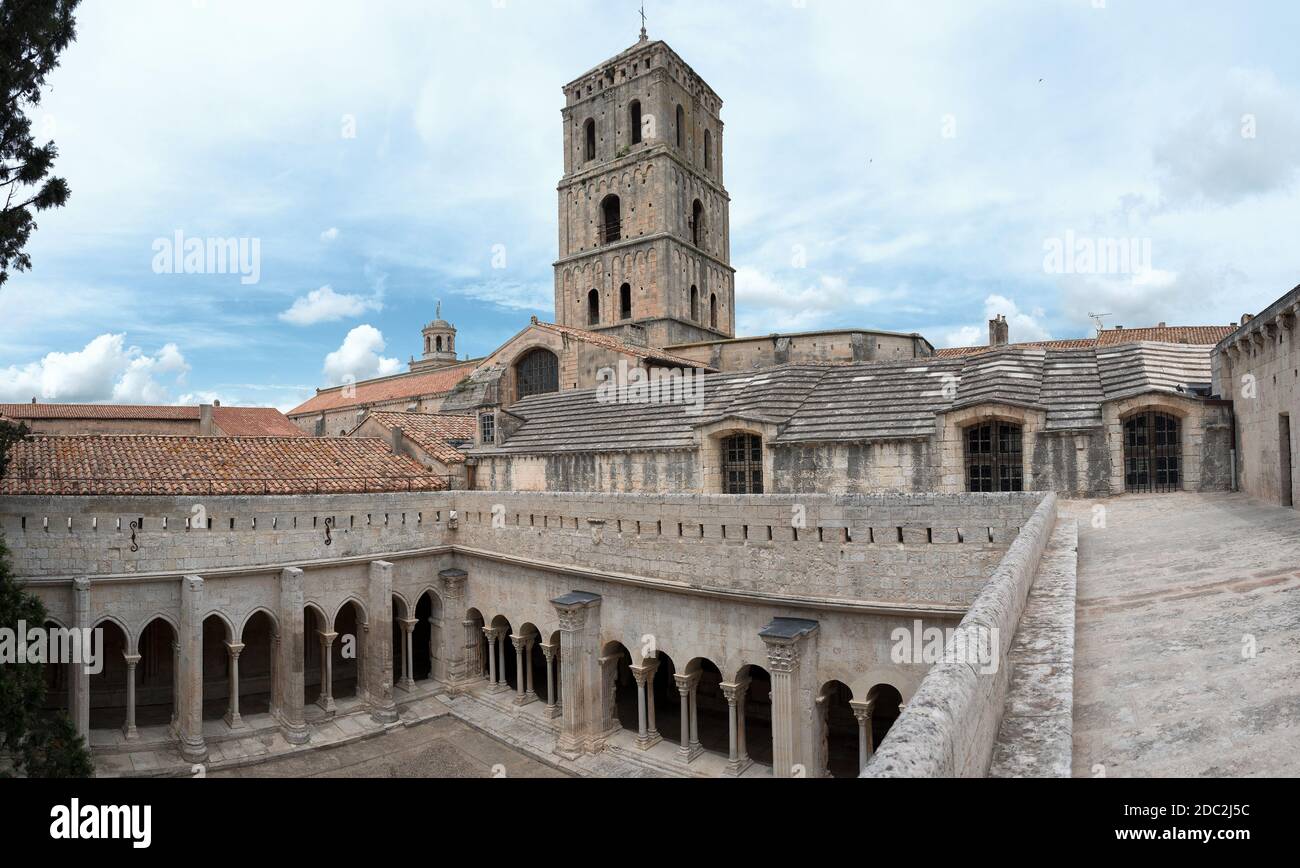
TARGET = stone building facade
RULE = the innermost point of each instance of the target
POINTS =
(1257, 367)
(1078, 422)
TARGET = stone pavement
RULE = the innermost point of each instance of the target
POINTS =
(1187, 629)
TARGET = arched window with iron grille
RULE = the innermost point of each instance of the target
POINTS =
(742, 464)
(537, 373)
(1152, 452)
(995, 457)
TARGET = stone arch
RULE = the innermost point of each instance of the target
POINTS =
(260, 610)
(886, 700)
(361, 610)
(108, 687)
(837, 730)
(398, 597)
(754, 714)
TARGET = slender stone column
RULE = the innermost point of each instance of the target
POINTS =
(326, 700)
(176, 689)
(738, 759)
(190, 715)
(408, 653)
(785, 638)
(530, 693)
(503, 683)
(521, 687)
(690, 746)
(580, 674)
(128, 729)
(232, 713)
(78, 672)
(290, 658)
(862, 711)
(696, 749)
(646, 735)
(491, 634)
(378, 655)
(552, 709)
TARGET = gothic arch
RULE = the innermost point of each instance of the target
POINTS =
(262, 610)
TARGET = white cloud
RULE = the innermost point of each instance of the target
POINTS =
(359, 357)
(1023, 327)
(330, 234)
(326, 305)
(106, 370)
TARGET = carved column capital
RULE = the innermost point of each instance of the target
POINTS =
(453, 582)
(686, 683)
(862, 710)
(408, 624)
(234, 649)
(131, 660)
(548, 651)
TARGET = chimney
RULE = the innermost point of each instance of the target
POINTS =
(999, 331)
(395, 440)
(207, 427)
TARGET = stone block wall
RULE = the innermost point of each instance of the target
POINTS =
(951, 724)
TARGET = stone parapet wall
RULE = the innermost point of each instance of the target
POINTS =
(949, 727)
(928, 551)
(80, 536)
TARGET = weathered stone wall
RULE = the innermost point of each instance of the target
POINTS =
(1258, 369)
(748, 354)
(933, 551)
(77, 536)
(950, 725)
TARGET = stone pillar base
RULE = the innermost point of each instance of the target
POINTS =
(689, 754)
(384, 714)
(295, 734)
(194, 750)
(526, 699)
(552, 712)
(738, 767)
(130, 733)
(649, 741)
(235, 721)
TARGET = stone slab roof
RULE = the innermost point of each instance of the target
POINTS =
(147, 465)
(865, 401)
(385, 389)
(432, 432)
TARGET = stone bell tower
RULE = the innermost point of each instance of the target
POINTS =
(645, 247)
(439, 344)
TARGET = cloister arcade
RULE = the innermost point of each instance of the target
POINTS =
(669, 696)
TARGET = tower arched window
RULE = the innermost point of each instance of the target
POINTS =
(695, 304)
(708, 149)
(713, 311)
(625, 301)
(697, 223)
(590, 134)
(438, 342)
(537, 373)
(593, 308)
(681, 127)
(611, 220)
(634, 117)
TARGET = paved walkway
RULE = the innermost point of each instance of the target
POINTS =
(1187, 633)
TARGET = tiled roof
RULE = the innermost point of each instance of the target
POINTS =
(140, 465)
(864, 401)
(396, 388)
(254, 422)
(233, 421)
(622, 346)
(432, 432)
(1196, 335)
(98, 411)
(1200, 335)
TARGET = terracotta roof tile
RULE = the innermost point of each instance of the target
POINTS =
(394, 388)
(254, 422)
(432, 432)
(97, 411)
(143, 465)
(1196, 335)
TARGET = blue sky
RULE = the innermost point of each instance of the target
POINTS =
(896, 165)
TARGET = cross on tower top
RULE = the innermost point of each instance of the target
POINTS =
(644, 36)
